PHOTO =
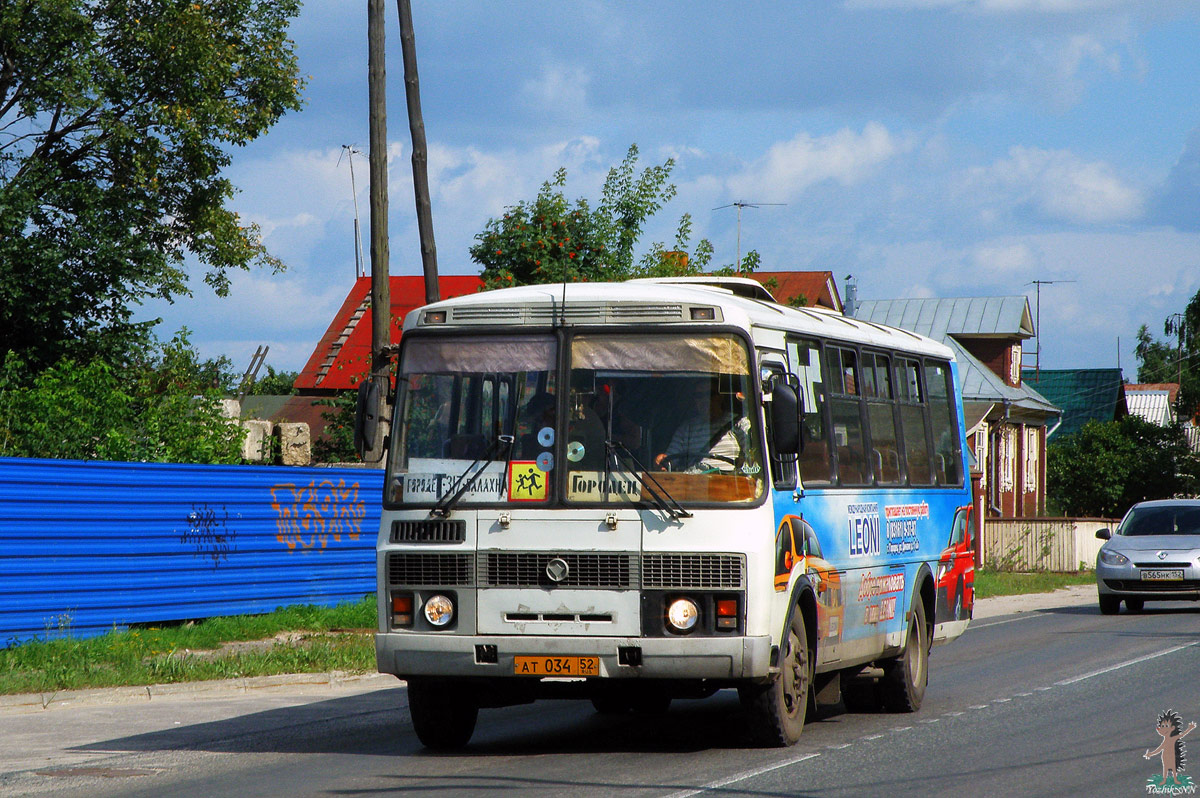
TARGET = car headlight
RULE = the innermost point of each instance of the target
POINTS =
(439, 610)
(1113, 557)
(683, 614)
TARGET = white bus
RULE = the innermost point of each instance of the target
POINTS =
(633, 492)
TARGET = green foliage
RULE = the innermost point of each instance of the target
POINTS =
(1106, 467)
(164, 408)
(336, 445)
(990, 582)
(273, 383)
(552, 239)
(116, 119)
(1160, 361)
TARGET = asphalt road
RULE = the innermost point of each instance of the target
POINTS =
(1054, 702)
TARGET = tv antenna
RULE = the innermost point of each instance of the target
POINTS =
(349, 150)
(1037, 325)
(739, 205)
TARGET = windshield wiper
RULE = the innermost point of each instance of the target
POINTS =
(446, 503)
(662, 499)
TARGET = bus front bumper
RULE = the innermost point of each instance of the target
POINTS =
(413, 654)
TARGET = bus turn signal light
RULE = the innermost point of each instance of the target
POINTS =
(402, 609)
(727, 613)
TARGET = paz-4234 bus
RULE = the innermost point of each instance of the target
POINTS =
(635, 492)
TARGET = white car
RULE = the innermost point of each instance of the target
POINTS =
(1153, 556)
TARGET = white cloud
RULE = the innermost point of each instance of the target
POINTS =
(790, 167)
(1004, 259)
(1058, 184)
(559, 89)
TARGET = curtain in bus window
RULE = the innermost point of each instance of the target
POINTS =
(456, 355)
(816, 463)
(947, 448)
(709, 354)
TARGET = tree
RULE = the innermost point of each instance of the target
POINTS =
(116, 119)
(551, 239)
(165, 407)
(1160, 361)
(1107, 467)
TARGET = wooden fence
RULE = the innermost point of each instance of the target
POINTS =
(1042, 544)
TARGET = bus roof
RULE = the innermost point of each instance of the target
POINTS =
(649, 302)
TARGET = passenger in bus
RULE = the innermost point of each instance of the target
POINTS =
(712, 440)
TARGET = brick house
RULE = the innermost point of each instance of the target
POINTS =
(1006, 420)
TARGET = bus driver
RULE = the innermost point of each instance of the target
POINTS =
(711, 440)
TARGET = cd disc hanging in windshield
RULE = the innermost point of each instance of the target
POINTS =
(545, 461)
(575, 451)
(546, 436)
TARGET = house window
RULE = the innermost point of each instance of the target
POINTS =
(1031, 459)
(981, 452)
(1014, 365)
(1008, 456)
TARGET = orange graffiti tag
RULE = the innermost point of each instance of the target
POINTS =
(309, 516)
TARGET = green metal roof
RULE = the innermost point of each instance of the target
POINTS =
(1083, 394)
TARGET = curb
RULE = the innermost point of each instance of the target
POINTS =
(26, 702)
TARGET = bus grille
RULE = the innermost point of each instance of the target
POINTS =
(528, 569)
(440, 531)
(720, 571)
(429, 569)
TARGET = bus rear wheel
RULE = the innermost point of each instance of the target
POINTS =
(443, 715)
(776, 711)
(905, 677)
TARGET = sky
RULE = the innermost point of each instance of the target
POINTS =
(929, 148)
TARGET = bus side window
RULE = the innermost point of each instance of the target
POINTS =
(913, 422)
(881, 417)
(947, 448)
(816, 464)
(846, 412)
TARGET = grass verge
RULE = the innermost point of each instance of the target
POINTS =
(303, 639)
(990, 583)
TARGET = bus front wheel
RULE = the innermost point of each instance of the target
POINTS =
(776, 711)
(902, 687)
(443, 715)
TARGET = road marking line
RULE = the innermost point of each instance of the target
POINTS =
(1024, 695)
(1023, 617)
(932, 720)
(1003, 700)
(978, 706)
(903, 728)
(749, 774)
(953, 714)
(1118, 666)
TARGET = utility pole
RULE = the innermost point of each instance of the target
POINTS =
(381, 300)
(1177, 323)
(737, 265)
(420, 159)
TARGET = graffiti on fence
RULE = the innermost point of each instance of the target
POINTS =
(209, 533)
(307, 516)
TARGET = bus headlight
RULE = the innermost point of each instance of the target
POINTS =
(683, 614)
(439, 610)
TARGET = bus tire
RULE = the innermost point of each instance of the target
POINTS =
(905, 677)
(443, 716)
(776, 711)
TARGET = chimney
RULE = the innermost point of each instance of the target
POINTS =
(850, 305)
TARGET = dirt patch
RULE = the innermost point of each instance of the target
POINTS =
(288, 639)
(1073, 596)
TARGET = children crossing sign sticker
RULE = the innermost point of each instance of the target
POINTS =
(527, 482)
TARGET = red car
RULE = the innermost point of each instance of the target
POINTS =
(956, 571)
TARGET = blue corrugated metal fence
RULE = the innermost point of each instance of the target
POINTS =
(86, 546)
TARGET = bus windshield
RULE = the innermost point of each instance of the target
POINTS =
(671, 410)
(488, 401)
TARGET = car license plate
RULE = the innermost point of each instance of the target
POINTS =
(556, 666)
(1162, 575)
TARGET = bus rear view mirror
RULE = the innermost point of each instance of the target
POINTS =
(366, 417)
(785, 420)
